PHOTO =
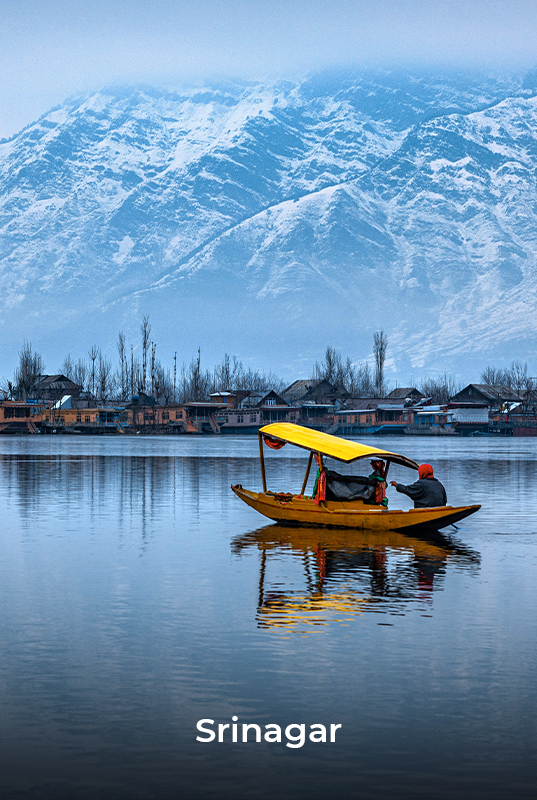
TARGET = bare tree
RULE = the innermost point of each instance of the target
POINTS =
(440, 390)
(229, 374)
(163, 383)
(492, 376)
(361, 384)
(529, 386)
(514, 377)
(333, 369)
(519, 376)
(196, 378)
(380, 345)
(122, 369)
(222, 375)
(80, 372)
(145, 329)
(153, 351)
(330, 367)
(93, 355)
(30, 367)
(68, 367)
(104, 383)
(496, 376)
(342, 373)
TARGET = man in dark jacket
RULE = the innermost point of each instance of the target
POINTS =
(426, 492)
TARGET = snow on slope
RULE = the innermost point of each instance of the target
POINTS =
(300, 214)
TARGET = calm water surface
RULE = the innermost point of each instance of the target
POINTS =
(138, 595)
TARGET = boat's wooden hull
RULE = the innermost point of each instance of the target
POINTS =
(297, 510)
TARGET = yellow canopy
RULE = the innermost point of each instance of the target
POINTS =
(328, 445)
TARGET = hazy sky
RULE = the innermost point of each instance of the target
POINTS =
(50, 49)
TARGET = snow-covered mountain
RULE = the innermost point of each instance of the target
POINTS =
(271, 220)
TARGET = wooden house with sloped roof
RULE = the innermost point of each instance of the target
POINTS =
(272, 407)
(493, 396)
(53, 388)
(406, 393)
(314, 391)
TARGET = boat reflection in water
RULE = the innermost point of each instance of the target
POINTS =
(310, 577)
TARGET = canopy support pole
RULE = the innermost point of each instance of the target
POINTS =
(387, 468)
(262, 461)
(310, 459)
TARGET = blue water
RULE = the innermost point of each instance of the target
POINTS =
(138, 596)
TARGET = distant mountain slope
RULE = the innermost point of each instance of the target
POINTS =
(271, 220)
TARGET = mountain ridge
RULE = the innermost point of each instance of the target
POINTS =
(296, 214)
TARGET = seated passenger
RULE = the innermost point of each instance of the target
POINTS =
(427, 492)
(379, 476)
(319, 488)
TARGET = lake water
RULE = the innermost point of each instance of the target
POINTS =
(138, 596)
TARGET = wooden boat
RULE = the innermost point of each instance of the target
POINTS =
(292, 509)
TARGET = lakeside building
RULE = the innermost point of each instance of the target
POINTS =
(373, 417)
(315, 392)
(20, 417)
(103, 419)
(491, 395)
(432, 420)
(477, 409)
(519, 418)
(51, 388)
(253, 412)
(408, 395)
(468, 418)
(395, 413)
(488, 409)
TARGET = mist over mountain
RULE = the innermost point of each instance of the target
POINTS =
(269, 220)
